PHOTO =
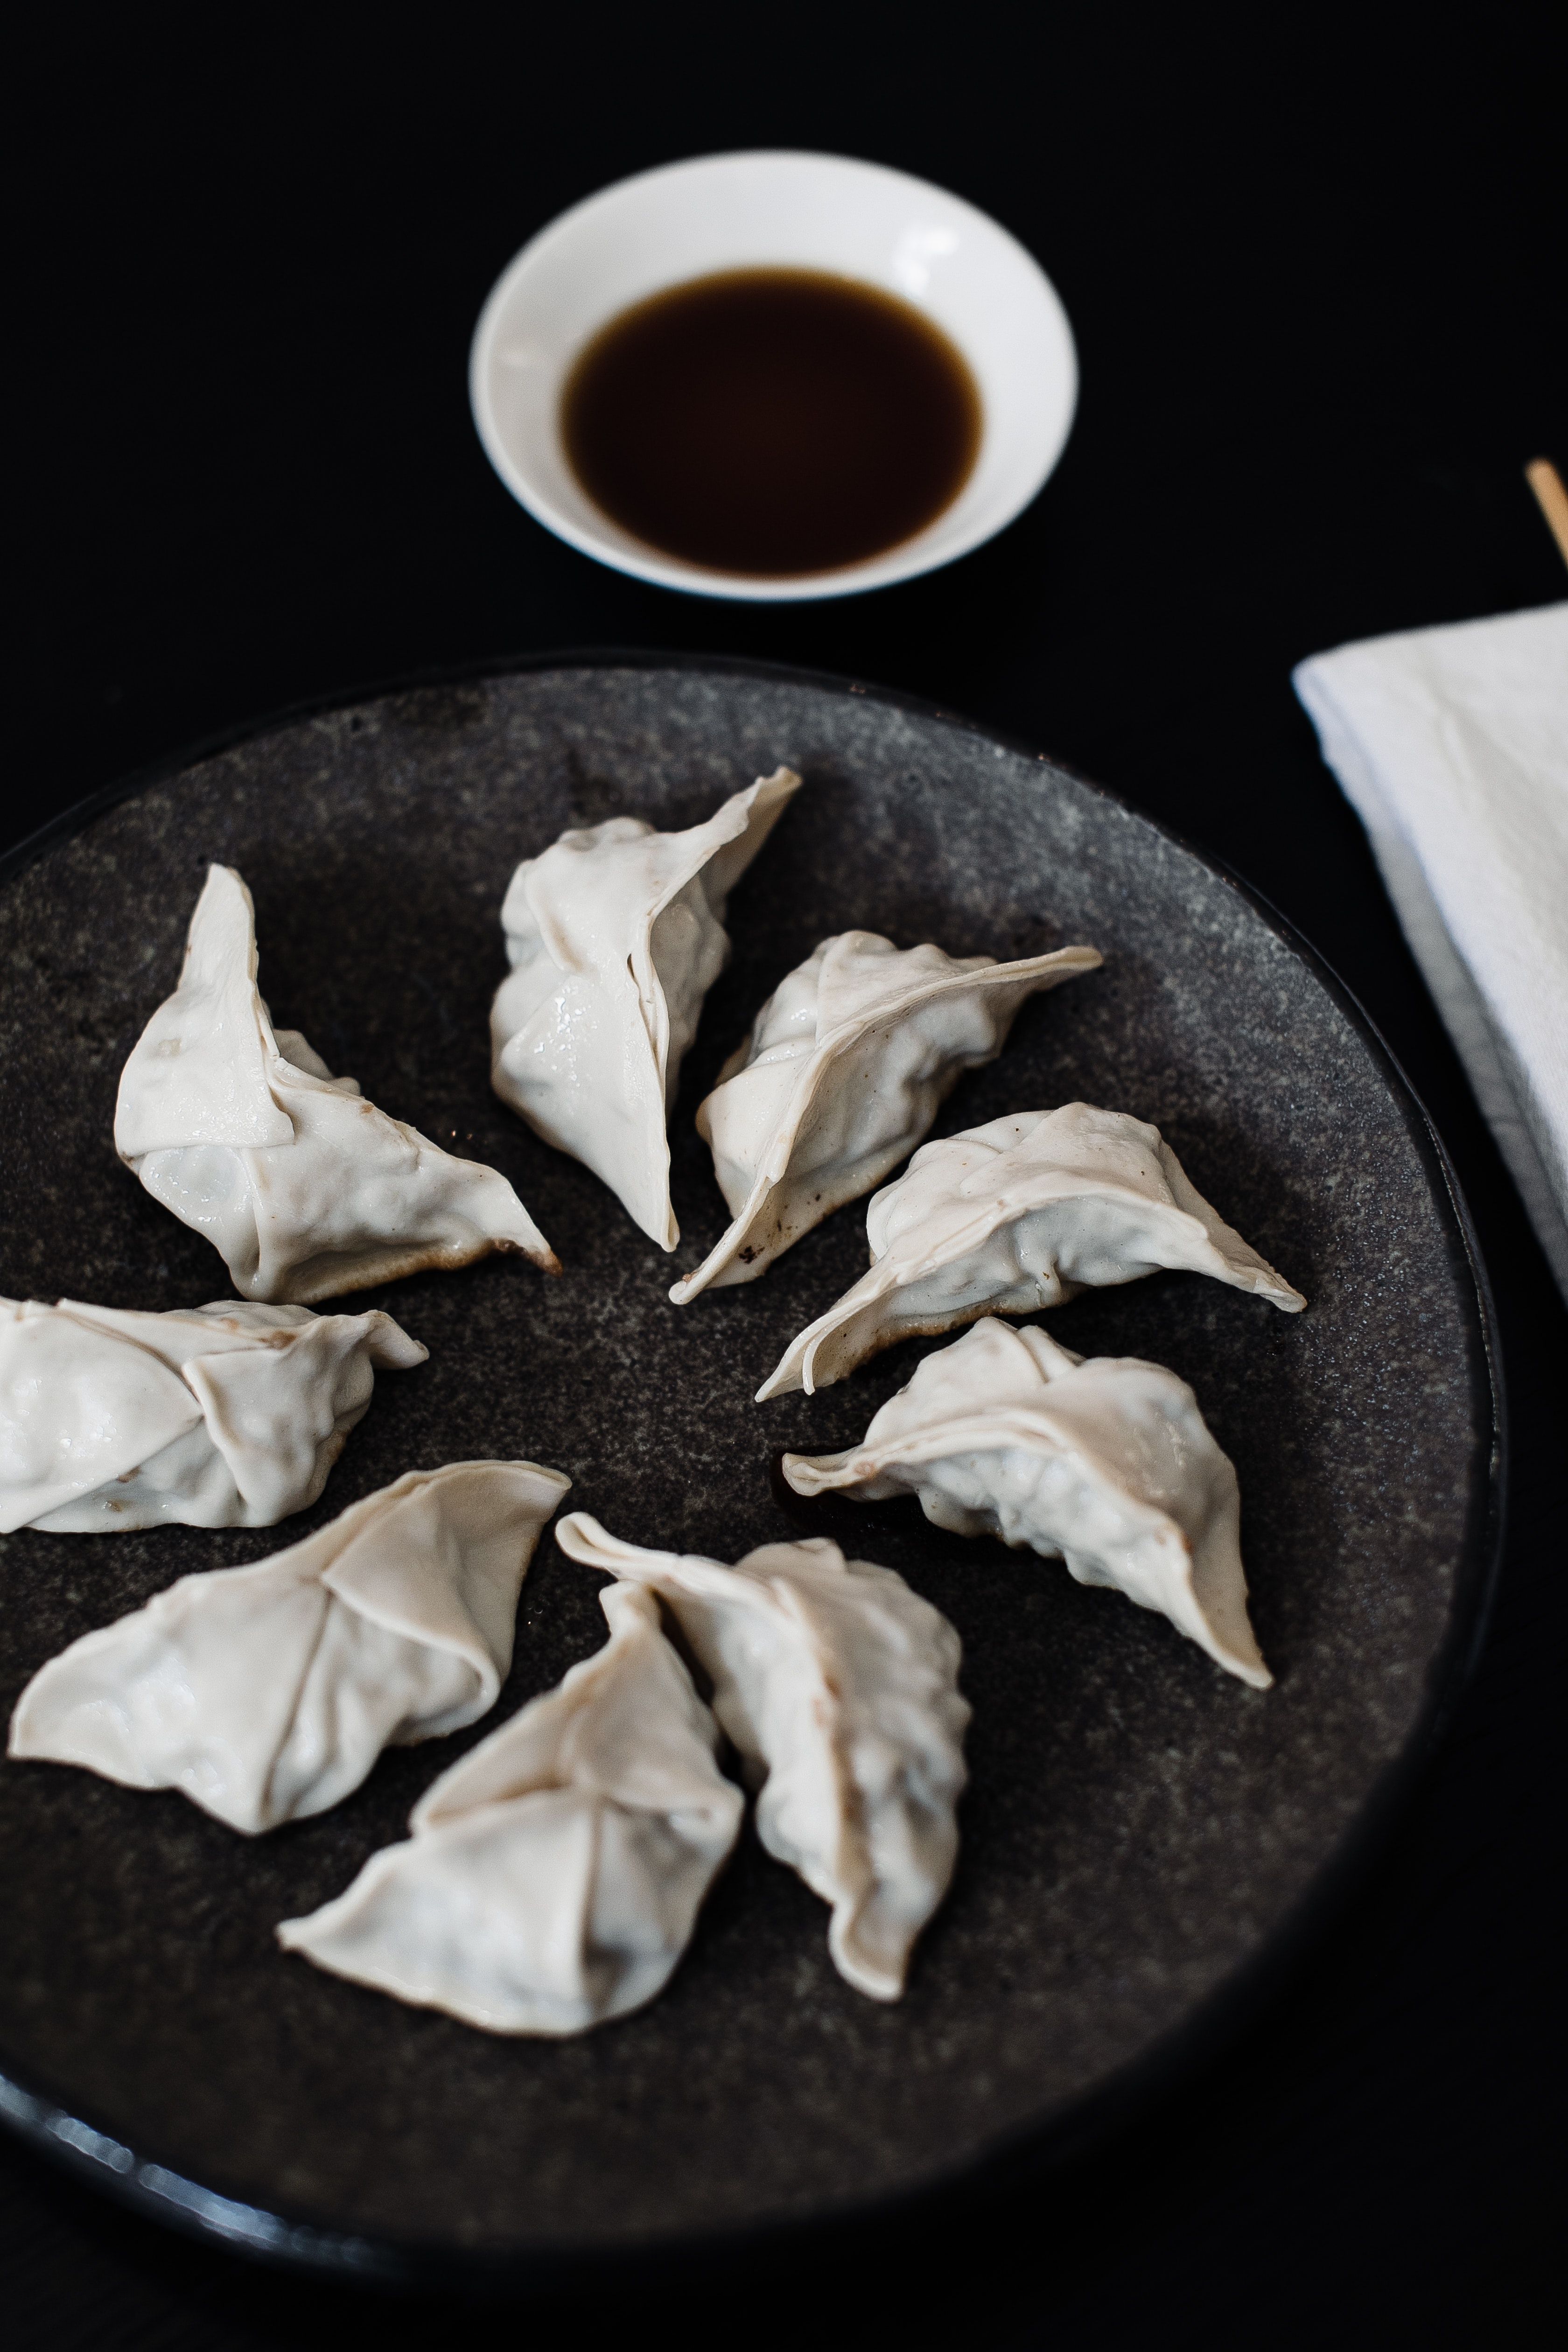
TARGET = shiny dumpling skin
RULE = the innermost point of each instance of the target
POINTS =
(839, 1688)
(616, 934)
(555, 1874)
(1105, 1464)
(229, 1415)
(1016, 1215)
(265, 1694)
(846, 1065)
(306, 1190)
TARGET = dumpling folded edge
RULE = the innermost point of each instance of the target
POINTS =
(869, 1938)
(166, 1105)
(719, 852)
(745, 1250)
(531, 1785)
(1217, 1621)
(392, 1591)
(995, 1200)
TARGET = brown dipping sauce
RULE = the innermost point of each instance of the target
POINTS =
(772, 422)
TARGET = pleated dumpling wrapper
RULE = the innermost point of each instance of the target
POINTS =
(223, 1416)
(1105, 1464)
(265, 1694)
(848, 1063)
(555, 1874)
(839, 1688)
(307, 1189)
(615, 936)
(1015, 1215)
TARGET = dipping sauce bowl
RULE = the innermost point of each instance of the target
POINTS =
(782, 211)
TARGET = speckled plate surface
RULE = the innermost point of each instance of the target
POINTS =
(1141, 1829)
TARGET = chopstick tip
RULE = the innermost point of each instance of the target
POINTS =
(1551, 499)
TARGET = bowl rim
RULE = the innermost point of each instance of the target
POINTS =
(301, 2241)
(909, 559)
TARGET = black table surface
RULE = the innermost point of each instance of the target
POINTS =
(1315, 266)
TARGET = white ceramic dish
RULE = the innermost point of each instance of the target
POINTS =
(817, 212)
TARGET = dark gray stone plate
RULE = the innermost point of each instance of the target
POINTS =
(1141, 1829)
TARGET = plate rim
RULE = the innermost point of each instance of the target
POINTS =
(300, 2242)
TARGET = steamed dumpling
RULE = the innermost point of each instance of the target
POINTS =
(265, 1694)
(1018, 1214)
(614, 937)
(223, 1416)
(839, 1688)
(306, 1190)
(848, 1063)
(1105, 1463)
(555, 1872)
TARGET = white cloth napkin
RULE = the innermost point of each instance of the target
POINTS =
(1452, 745)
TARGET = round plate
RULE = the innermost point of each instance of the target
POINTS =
(1140, 1828)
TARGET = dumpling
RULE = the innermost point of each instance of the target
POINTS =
(614, 937)
(265, 1694)
(848, 1063)
(222, 1416)
(555, 1874)
(1105, 1463)
(839, 1688)
(305, 1189)
(1021, 1213)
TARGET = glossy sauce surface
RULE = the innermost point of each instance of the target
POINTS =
(772, 422)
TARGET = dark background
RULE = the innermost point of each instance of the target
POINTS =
(1316, 267)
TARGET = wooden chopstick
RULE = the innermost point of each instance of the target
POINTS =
(1553, 499)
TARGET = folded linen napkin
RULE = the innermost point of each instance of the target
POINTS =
(1452, 746)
